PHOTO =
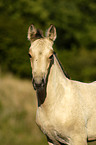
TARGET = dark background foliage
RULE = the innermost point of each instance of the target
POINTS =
(76, 34)
(75, 21)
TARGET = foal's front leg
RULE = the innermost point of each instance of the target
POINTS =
(50, 143)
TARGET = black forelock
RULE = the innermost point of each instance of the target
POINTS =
(39, 34)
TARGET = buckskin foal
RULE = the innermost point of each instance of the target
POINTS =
(66, 111)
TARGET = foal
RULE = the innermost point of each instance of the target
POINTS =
(66, 111)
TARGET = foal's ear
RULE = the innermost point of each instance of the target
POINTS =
(31, 32)
(51, 33)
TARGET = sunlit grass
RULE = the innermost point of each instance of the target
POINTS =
(17, 113)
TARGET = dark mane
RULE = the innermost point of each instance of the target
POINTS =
(65, 73)
(39, 34)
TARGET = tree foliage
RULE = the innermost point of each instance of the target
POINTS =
(75, 22)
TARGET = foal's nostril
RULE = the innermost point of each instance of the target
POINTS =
(38, 82)
(37, 85)
(43, 81)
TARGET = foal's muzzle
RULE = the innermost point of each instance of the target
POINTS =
(38, 83)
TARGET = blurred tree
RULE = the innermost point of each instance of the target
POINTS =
(75, 22)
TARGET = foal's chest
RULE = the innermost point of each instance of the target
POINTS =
(44, 121)
(52, 126)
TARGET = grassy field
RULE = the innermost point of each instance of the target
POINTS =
(17, 113)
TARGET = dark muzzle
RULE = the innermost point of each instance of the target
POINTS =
(38, 83)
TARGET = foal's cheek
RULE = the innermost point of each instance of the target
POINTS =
(31, 64)
(48, 65)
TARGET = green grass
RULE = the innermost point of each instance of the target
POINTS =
(17, 113)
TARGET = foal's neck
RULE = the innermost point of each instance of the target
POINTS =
(56, 76)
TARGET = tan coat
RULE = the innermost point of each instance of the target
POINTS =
(66, 111)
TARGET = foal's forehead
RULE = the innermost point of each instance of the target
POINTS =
(42, 45)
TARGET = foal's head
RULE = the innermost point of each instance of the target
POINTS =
(41, 54)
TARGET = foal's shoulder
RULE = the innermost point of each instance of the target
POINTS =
(78, 84)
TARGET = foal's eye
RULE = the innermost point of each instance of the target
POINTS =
(29, 55)
(51, 56)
